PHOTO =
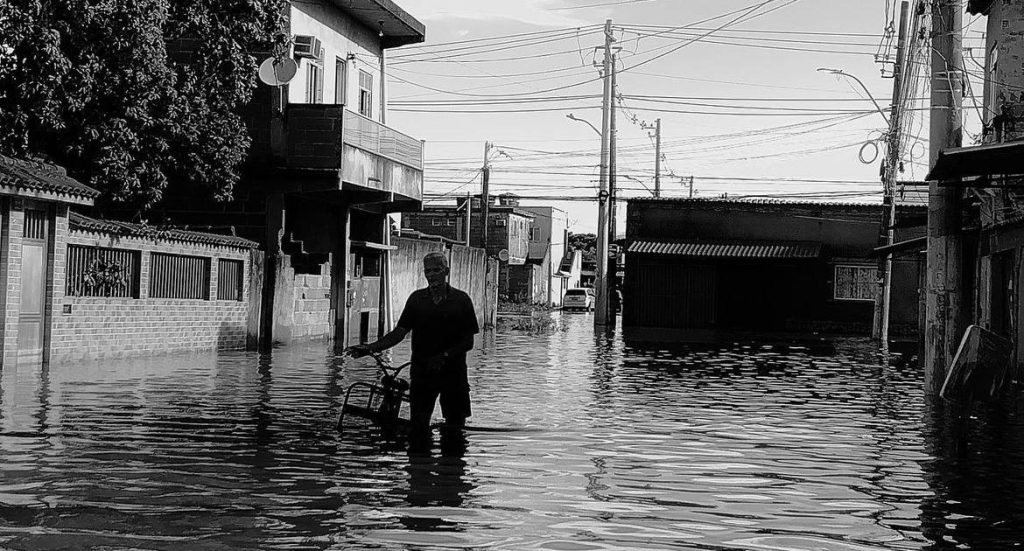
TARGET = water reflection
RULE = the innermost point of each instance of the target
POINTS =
(602, 445)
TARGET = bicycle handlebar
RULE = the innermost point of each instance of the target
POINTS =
(384, 365)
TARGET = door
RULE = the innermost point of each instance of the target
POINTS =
(33, 283)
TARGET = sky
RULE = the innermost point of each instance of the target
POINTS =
(744, 108)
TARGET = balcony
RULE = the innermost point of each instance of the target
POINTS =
(345, 151)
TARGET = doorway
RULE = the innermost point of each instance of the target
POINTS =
(34, 254)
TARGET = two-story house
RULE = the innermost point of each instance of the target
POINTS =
(508, 229)
(541, 277)
(992, 176)
(324, 172)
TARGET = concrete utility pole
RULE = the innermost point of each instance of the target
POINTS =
(657, 157)
(601, 273)
(892, 163)
(945, 255)
(469, 217)
(691, 187)
(485, 199)
(613, 263)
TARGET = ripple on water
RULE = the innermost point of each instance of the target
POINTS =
(613, 446)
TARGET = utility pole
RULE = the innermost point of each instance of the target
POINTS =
(889, 173)
(613, 263)
(945, 255)
(657, 157)
(603, 203)
(691, 187)
(485, 199)
(469, 217)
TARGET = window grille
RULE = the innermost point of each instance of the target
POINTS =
(179, 276)
(229, 279)
(856, 283)
(35, 224)
(102, 272)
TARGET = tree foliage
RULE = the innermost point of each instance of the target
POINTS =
(585, 242)
(96, 86)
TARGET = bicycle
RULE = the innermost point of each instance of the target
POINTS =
(381, 403)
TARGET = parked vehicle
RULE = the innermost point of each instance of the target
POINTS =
(578, 299)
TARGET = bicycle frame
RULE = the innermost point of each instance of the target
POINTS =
(380, 403)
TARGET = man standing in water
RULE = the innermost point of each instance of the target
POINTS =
(443, 322)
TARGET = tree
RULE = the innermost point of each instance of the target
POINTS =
(585, 242)
(89, 85)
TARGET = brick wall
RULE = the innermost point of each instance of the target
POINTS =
(98, 327)
(11, 229)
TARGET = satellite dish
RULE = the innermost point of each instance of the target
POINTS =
(275, 72)
(503, 255)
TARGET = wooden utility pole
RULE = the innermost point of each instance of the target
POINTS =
(485, 199)
(657, 157)
(603, 203)
(945, 255)
(889, 173)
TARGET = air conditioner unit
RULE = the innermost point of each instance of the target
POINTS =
(307, 46)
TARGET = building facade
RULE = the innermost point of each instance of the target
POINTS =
(509, 228)
(991, 177)
(704, 268)
(323, 173)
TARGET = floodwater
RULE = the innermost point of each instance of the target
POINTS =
(755, 447)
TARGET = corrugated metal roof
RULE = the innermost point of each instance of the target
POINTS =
(768, 201)
(741, 249)
(39, 176)
(84, 223)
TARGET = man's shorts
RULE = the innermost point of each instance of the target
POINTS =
(450, 384)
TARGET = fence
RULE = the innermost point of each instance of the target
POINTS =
(179, 276)
(229, 279)
(102, 272)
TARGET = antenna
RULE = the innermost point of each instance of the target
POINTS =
(277, 72)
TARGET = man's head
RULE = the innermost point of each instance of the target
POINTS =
(435, 268)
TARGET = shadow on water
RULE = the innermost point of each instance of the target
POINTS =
(975, 477)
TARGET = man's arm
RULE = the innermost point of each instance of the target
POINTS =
(393, 337)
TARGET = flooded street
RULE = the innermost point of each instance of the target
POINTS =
(735, 447)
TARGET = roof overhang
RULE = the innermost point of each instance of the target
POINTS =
(728, 250)
(982, 160)
(974, 7)
(399, 27)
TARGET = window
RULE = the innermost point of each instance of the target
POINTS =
(229, 279)
(449, 222)
(101, 272)
(314, 83)
(856, 283)
(435, 222)
(1005, 24)
(340, 80)
(365, 94)
(179, 276)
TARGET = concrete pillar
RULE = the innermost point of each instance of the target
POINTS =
(340, 278)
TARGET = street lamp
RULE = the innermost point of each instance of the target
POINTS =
(840, 72)
(881, 322)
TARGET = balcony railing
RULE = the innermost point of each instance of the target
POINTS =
(371, 136)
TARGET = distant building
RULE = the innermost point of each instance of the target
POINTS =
(703, 268)
(508, 230)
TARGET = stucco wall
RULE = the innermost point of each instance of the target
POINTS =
(469, 272)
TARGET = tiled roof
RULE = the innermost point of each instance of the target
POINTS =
(734, 249)
(37, 176)
(84, 223)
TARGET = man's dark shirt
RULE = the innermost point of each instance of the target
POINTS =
(437, 328)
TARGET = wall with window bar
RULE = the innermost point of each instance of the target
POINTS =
(177, 296)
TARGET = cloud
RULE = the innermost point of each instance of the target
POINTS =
(534, 12)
